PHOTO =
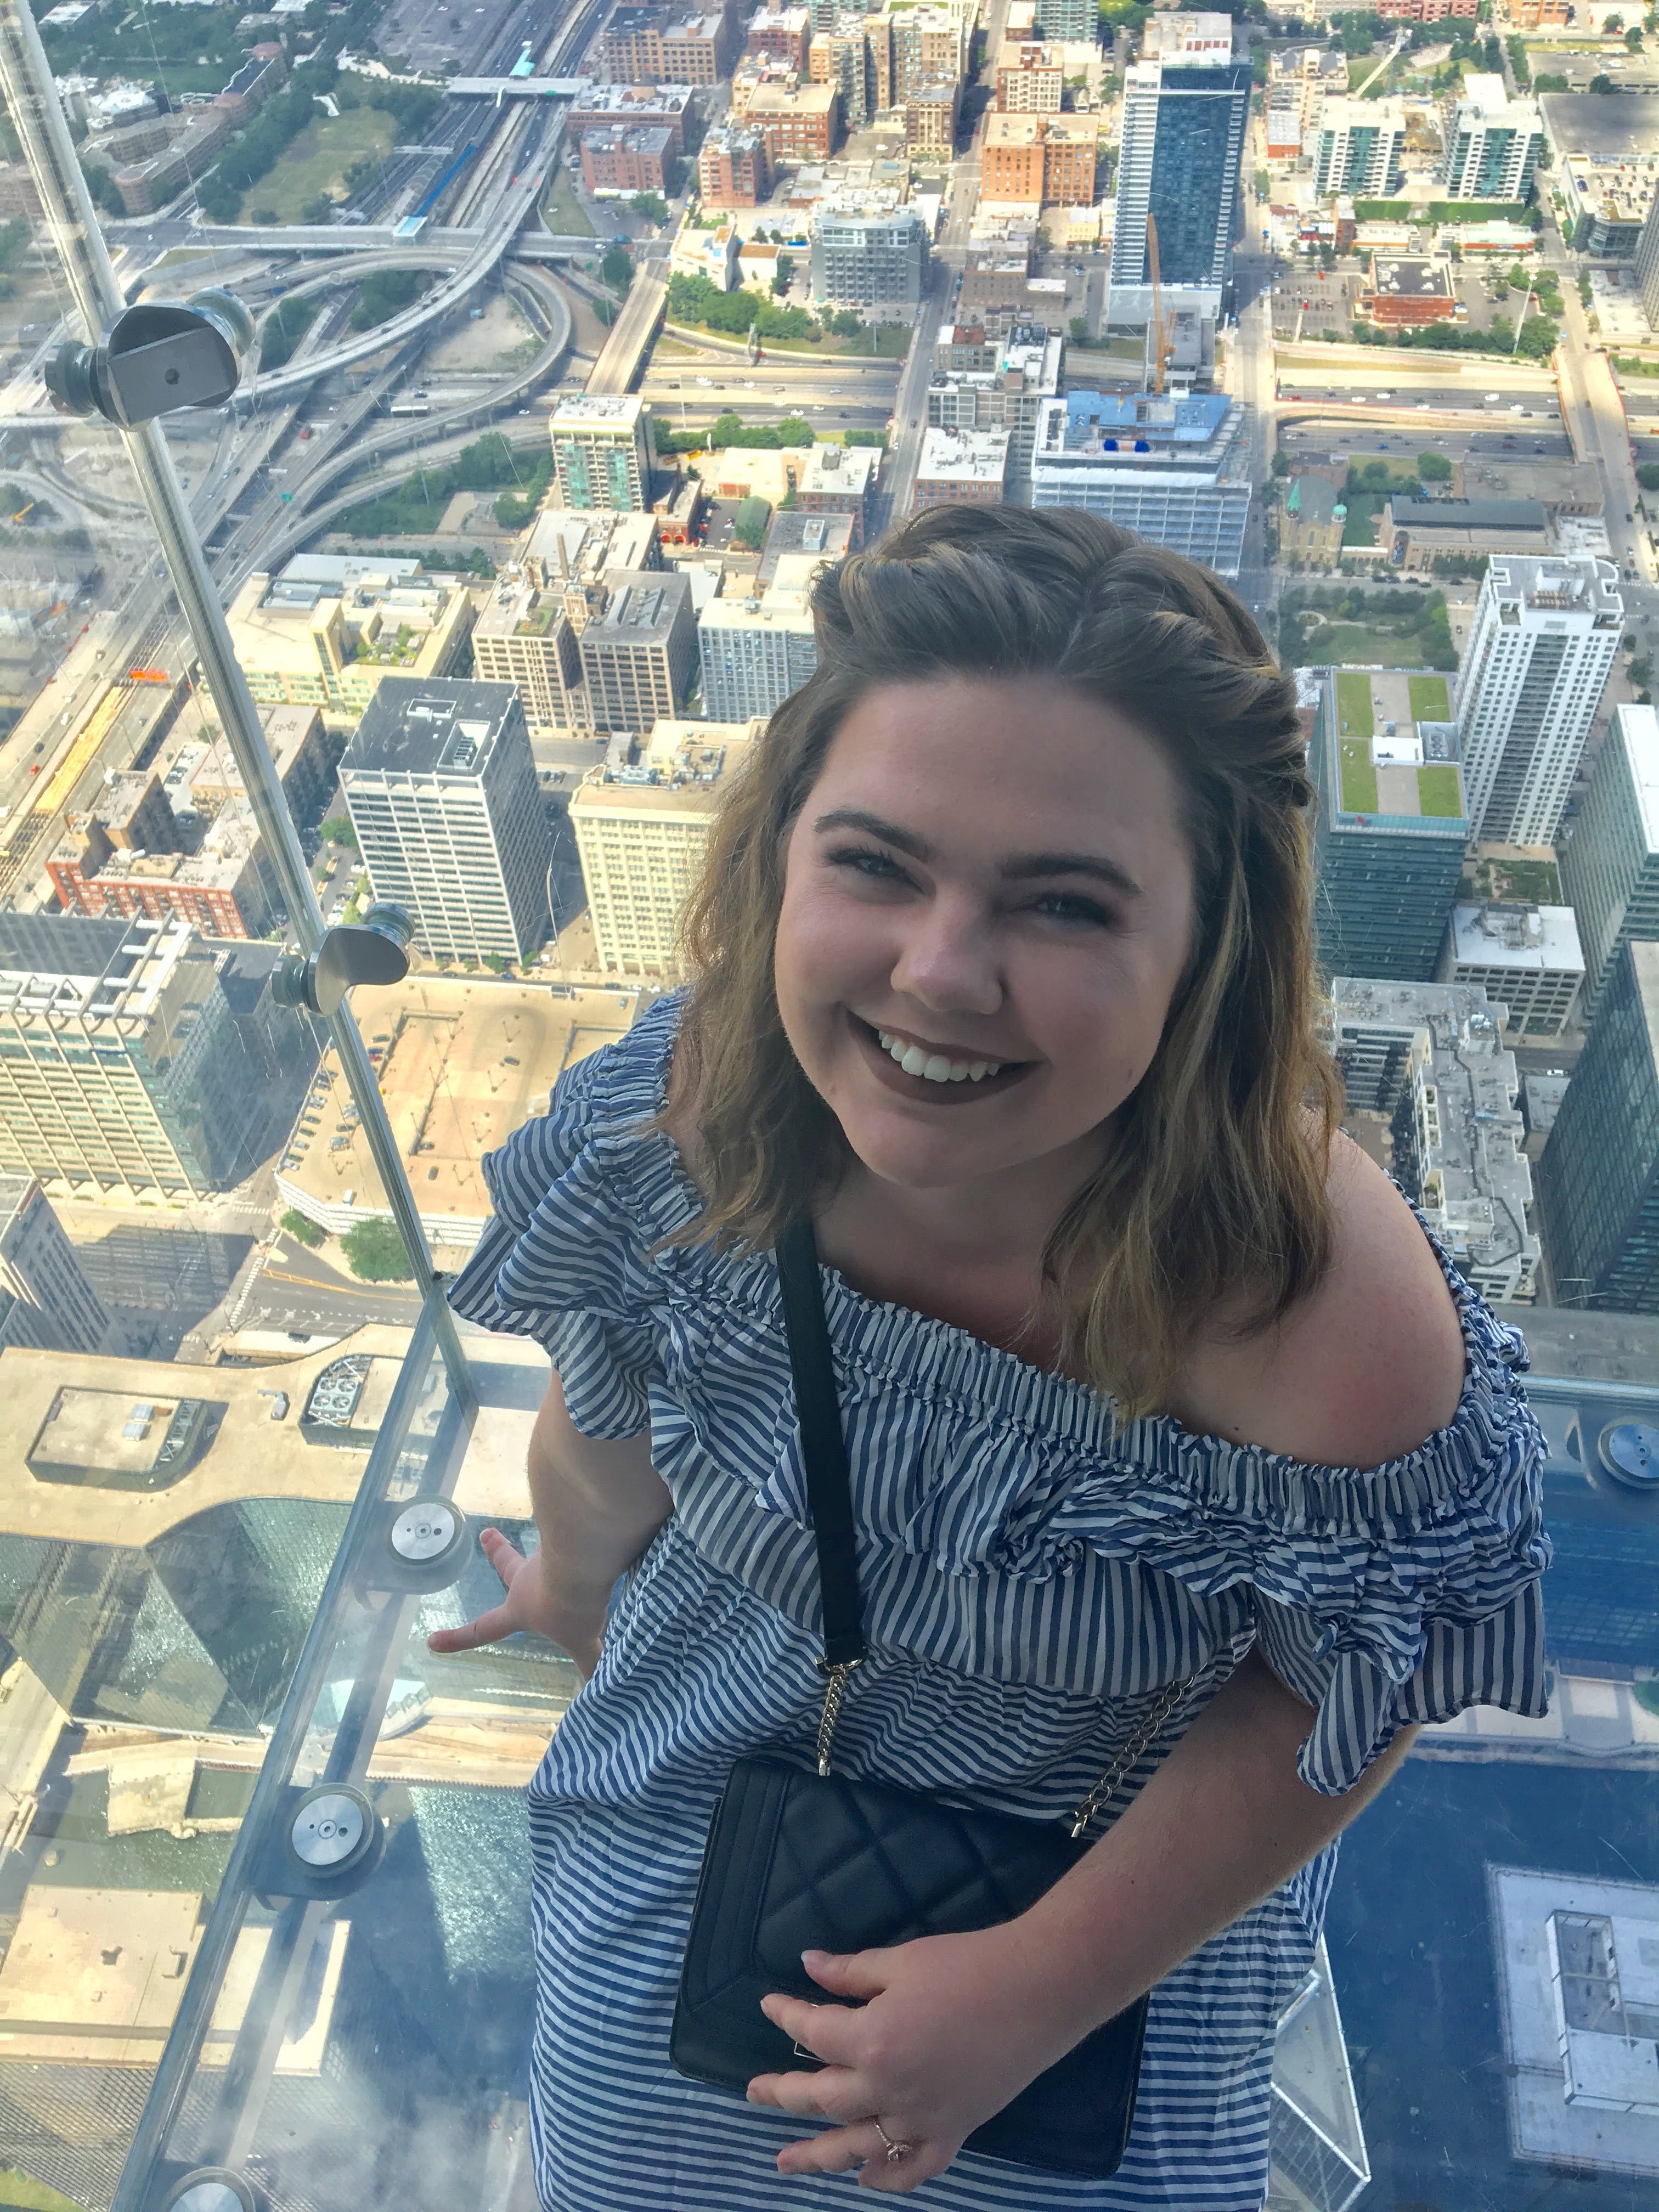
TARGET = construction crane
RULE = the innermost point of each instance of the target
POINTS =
(1162, 339)
(23, 510)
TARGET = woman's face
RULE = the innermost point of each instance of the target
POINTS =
(988, 905)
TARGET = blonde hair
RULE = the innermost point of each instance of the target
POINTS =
(1215, 1182)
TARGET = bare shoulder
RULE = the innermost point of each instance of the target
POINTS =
(1368, 1367)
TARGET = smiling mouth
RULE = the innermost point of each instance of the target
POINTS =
(942, 1078)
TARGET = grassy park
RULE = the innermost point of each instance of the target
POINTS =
(317, 161)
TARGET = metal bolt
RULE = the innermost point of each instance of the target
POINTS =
(326, 1831)
(422, 1530)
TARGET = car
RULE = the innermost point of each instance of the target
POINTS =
(1539, 447)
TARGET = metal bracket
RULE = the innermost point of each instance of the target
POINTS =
(154, 359)
(373, 950)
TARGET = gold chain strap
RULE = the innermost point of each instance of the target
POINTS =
(1125, 1759)
(836, 1692)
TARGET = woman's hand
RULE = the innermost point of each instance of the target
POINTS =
(951, 2029)
(530, 1601)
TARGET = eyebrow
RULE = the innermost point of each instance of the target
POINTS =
(1020, 869)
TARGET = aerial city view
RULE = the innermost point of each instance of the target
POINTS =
(574, 340)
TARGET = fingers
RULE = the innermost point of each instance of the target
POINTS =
(488, 1628)
(505, 1558)
(839, 2150)
(849, 1974)
(830, 2033)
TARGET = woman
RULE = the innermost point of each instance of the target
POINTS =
(1002, 971)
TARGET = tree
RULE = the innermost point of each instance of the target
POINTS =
(337, 830)
(1539, 338)
(651, 205)
(302, 1228)
(1281, 464)
(101, 185)
(1641, 671)
(785, 271)
(375, 1252)
(1434, 468)
(1633, 38)
(318, 210)
(616, 268)
(795, 430)
(1602, 83)
(749, 528)
(1647, 476)
(1079, 331)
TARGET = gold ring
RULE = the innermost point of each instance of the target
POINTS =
(894, 2150)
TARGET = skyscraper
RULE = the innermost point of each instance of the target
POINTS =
(602, 451)
(46, 1300)
(1390, 825)
(754, 654)
(1599, 1176)
(1175, 470)
(1182, 138)
(121, 1062)
(1359, 145)
(1610, 865)
(1492, 142)
(441, 785)
(1542, 642)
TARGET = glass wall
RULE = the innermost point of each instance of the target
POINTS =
(264, 1881)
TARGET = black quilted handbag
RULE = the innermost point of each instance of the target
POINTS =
(798, 1861)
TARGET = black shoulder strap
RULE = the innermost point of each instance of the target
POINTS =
(824, 1448)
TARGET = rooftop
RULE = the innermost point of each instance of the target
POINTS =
(964, 457)
(1639, 726)
(640, 607)
(623, 101)
(1528, 514)
(1573, 585)
(1396, 748)
(462, 1065)
(840, 469)
(1527, 938)
(582, 411)
(1412, 280)
(679, 773)
(432, 729)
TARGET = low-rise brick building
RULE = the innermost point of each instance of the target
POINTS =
(640, 105)
(1408, 295)
(624, 157)
(799, 124)
(734, 169)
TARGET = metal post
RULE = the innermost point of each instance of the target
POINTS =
(31, 99)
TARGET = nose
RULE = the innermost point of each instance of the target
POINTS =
(947, 960)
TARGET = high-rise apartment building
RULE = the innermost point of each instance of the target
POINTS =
(928, 44)
(1543, 640)
(854, 55)
(527, 633)
(641, 827)
(122, 1067)
(1431, 1056)
(1492, 142)
(639, 649)
(1182, 141)
(1173, 469)
(754, 653)
(1065, 19)
(602, 450)
(1358, 146)
(441, 786)
(875, 263)
(1647, 264)
(1390, 821)
(46, 1300)
(1610, 864)
(1598, 1180)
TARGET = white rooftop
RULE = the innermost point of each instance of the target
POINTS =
(964, 457)
(1639, 728)
(1527, 938)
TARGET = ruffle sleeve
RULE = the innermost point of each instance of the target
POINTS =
(550, 1258)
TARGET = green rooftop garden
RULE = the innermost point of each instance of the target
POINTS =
(1430, 700)
(1358, 776)
(1353, 704)
(1437, 787)
(535, 624)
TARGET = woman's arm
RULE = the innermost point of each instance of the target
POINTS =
(598, 1503)
(1223, 1821)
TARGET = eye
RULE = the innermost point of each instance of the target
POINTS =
(867, 860)
(1066, 906)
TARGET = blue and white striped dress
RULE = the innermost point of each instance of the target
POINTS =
(1028, 1586)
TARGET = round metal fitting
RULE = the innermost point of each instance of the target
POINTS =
(1629, 1451)
(333, 1830)
(212, 2189)
(424, 1531)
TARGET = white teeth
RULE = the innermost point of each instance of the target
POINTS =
(934, 1068)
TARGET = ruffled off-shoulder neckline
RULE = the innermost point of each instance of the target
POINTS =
(881, 1341)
